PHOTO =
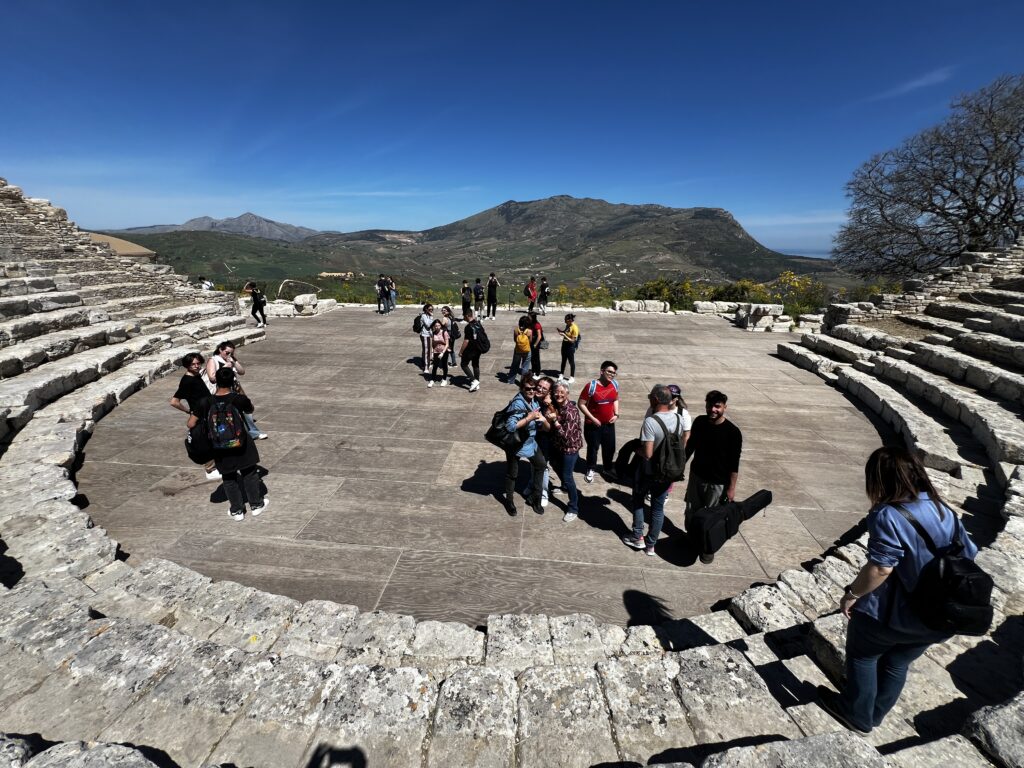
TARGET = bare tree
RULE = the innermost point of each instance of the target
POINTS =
(956, 187)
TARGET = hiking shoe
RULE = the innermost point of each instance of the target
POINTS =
(589, 477)
(238, 516)
(568, 517)
(430, 384)
(214, 475)
(510, 507)
(629, 541)
(474, 385)
(829, 701)
(649, 551)
(706, 559)
(257, 511)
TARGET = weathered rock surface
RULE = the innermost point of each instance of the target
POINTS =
(317, 630)
(80, 755)
(999, 730)
(835, 750)
(377, 638)
(576, 639)
(519, 641)
(475, 724)
(441, 647)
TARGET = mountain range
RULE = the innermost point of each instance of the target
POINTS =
(566, 238)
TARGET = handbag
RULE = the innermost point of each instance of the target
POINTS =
(543, 344)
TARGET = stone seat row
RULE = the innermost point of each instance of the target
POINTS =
(977, 317)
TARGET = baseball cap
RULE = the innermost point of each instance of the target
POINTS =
(675, 390)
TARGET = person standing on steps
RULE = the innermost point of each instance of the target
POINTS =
(192, 389)
(715, 444)
(225, 357)
(467, 297)
(523, 412)
(238, 466)
(885, 635)
(426, 320)
(493, 285)
(599, 404)
(570, 339)
(478, 297)
(470, 351)
(259, 303)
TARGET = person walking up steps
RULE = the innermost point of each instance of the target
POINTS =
(570, 341)
(235, 453)
(439, 343)
(599, 404)
(493, 285)
(474, 344)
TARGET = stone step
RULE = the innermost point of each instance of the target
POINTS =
(121, 290)
(23, 269)
(111, 275)
(41, 323)
(993, 297)
(958, 311)
(949, 328)
(77, 263)
(966, 369)
(840, 350)
(999, 430)
(182, 314)
(865, 337)
(22, 286)
(919, 431)
(803, 358)
(46, 348)
(996, 349)
(14, 307)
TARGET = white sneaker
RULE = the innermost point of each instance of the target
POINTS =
(430, 383)
(262, 436)
(444, 382)
(589, 477)
(568, 517)
(237, 516)
(214, 475)
(474, 385)
(257, 511)
(543, 502)
(424, 369)
(570, 380)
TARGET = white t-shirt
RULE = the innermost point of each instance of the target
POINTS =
(674, 422)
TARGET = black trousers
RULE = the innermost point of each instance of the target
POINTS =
(535, 360)
(250, 484)
(537, 461)
(492, 306)
(603, 436)
(261, 317)
(471, 365)
(569, 356)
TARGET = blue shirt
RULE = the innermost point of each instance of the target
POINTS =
(517, 410)
(893, 543)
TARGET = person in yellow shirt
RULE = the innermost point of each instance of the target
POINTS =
(570, 341)
(522, 335)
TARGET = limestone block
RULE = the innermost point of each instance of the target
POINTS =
(14, 752)
(1007, 571)
(627, 306)
(276, 724)
(210, 608)
(111, 672)
(828, 644)
(950, 750)
(612, 637)
(764, 609)
(280, 309)
(576, 639)
(377, 638)
(518, 641)
(840, 749)
(852, 554)
(441, 647)
(704, 307)
(190, 709)
(317, 630)
(562, 719)
(76, 754)
(999, 731)
(384, 712)
(305, 304)
(756, 649)
(835, 570)
(257, 622)
(695, 631)
(647, 718)
(642, 640)
(726, 699)
(326, 305)
(475, 723)
(819, 596)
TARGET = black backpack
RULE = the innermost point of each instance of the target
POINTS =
(953, 594)
(417, 324)
(483, 344)
(225, 425)
(197, 444)
(499, 434)
(668, 464)
(526, 290)
(456, 333)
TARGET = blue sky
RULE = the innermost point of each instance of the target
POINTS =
(410, 115)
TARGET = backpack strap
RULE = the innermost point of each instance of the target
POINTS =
(928, 542)
(592, 388)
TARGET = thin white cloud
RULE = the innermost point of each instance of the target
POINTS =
(935, 77)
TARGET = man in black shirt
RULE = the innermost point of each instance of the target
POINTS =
(467, 298)
(492, 296)
(715, 444)
(470, 351)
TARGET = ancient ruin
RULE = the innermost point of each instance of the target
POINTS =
(108, 663)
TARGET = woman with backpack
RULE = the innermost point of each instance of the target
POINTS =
(522, 335)
(424, 321)
(886, 631)
(259, 302)
(570, 340)
(440, 342)
(234, 452)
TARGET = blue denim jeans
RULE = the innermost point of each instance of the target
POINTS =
(643, 485)
(877, 660)
(250, 426)
(565, 464)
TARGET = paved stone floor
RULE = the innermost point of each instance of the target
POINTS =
(382, 491)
